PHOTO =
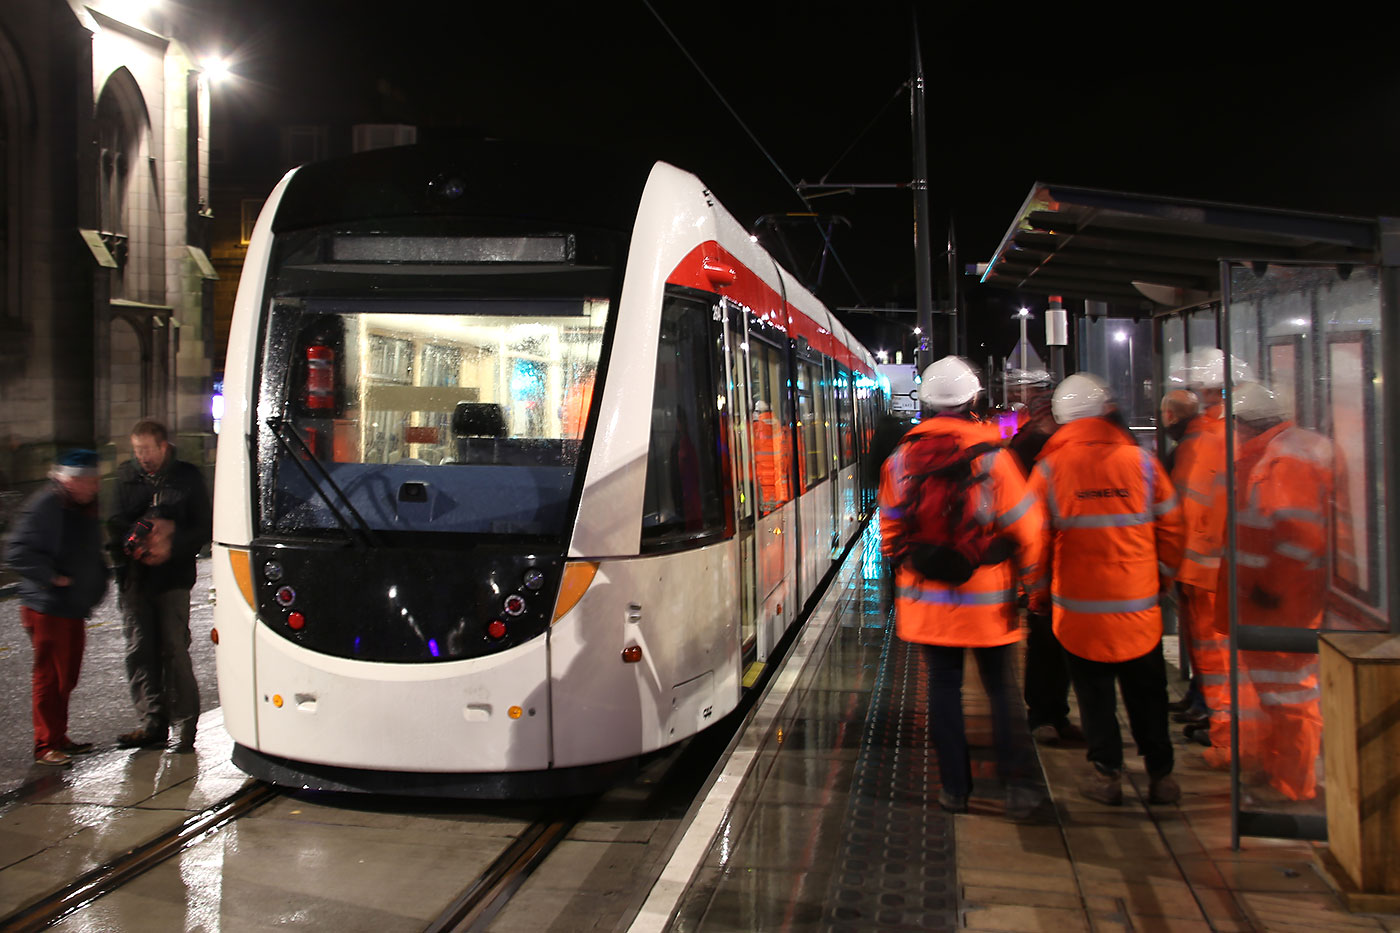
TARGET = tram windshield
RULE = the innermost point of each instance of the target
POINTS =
(425, 414)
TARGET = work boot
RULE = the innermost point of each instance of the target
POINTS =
(1163, 789)
(1103, 786)
(141, 738)
(1024, 803)
(952, 803)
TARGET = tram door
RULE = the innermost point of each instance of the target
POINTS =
(1306, 545)
(738, 399)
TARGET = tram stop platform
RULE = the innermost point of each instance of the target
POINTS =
(825, 817)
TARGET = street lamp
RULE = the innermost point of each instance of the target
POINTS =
(1024, 315)
(216, 69)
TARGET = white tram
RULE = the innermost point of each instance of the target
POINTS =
(526, 464)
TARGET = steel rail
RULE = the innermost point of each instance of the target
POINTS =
(479, 903)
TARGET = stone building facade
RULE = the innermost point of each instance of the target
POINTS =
(106, 288)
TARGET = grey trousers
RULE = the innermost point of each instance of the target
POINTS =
(158, 667)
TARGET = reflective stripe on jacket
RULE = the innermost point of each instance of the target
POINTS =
(982, 611)
(1198, 473)
(1115, 538)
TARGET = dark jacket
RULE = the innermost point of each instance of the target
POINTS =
(177, 492)
(54, 537)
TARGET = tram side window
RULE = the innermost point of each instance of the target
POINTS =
(811, 420)
(684, 500)
(772, 438)
(845, 418)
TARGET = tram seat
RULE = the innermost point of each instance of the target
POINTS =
(477, 428)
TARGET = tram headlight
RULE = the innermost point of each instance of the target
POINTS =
(273, 571)
(533, 579)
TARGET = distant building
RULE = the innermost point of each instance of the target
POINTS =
(106, 288)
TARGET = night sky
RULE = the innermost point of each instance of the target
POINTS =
(1216, 102)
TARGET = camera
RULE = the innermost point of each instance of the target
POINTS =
(134, 544)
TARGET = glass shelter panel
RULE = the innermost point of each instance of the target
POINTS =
(1307, 515)
(1120, 351)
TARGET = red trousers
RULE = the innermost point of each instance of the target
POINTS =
(58, 657)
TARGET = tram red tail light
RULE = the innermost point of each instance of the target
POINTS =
(297, 621)
(496, 629)
(632, 654)
(214, 635)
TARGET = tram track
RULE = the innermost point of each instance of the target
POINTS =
(472, 909)
(116, 872)
(480, 901)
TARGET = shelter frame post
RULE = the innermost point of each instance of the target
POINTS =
(1389, 240)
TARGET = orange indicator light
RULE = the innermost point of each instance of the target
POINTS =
(632, 654)
(515, 712)
(214, 635)
(277, 700)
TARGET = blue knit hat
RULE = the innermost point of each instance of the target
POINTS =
(77, 462)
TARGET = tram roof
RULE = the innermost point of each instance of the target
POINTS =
(1144, 253)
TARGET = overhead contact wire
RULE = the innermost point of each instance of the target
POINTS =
(761, 148)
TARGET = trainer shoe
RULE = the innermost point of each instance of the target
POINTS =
(1163, 789)
(1046, 734)
(75, 748)
(52, 758)
(1103, 786)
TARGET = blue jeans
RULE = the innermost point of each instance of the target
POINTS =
(1012, 738)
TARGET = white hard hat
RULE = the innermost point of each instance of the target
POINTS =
(948, 383)
(1256, 402)
(1207, 370)
(761, 406)
(1082, 395)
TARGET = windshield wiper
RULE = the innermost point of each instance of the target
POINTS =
(300, 454)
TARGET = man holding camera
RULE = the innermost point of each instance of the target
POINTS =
(163, 519)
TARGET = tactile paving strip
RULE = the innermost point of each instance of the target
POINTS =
(897, 869)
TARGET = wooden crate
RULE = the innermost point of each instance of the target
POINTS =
(1361, 754)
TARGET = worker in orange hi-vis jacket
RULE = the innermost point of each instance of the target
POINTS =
(1285, 489)
(1195, 457)
(772, 462)
(1198, 472)
(961, 530)
(1115, 539)
(578, 399)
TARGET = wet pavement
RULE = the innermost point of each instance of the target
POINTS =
(100, 708)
